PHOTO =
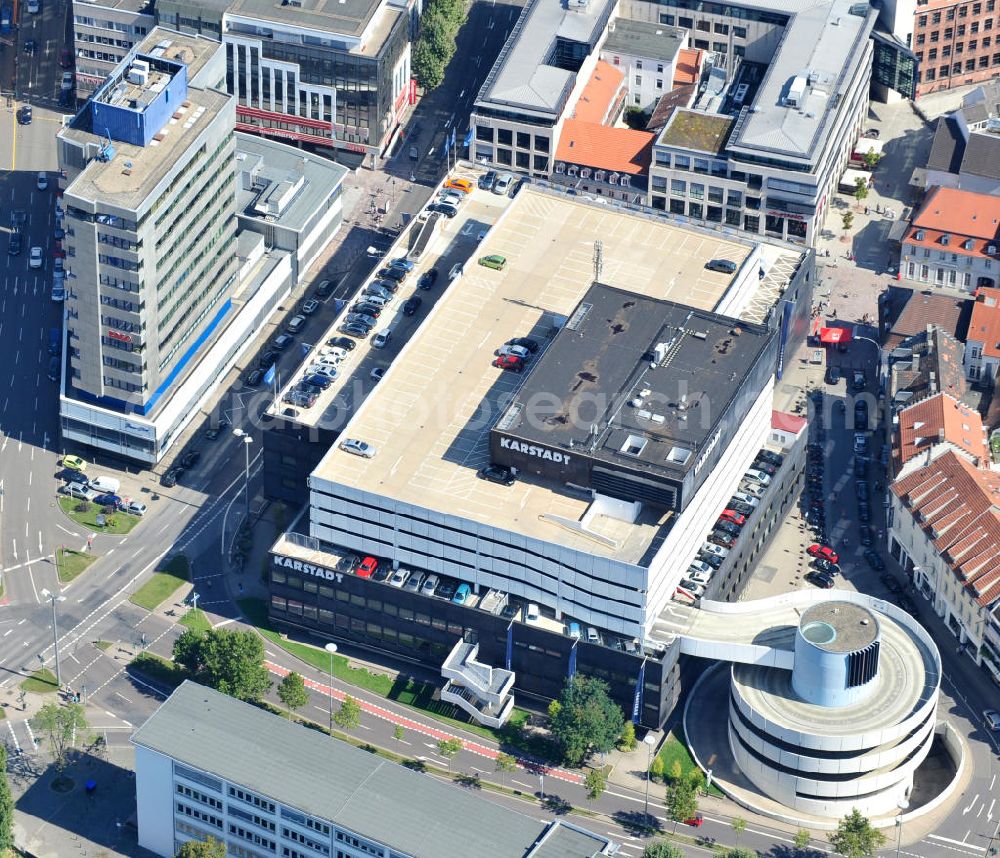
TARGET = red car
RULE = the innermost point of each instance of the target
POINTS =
(66, 58)
(823, 551)
(695, 820)
(367, 568)
(509, 362)
(733, 516)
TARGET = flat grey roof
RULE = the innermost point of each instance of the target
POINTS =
(823, 41)
(642, 39)
(278, 169)
(192, 50)
(412, 813)
(604, 355)
(348, 17)
(522, 78)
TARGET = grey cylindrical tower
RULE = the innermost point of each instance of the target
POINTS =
(836, 654)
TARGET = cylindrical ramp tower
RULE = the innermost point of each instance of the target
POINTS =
(836, 654)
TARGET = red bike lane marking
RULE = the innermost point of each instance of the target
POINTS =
(425, 729)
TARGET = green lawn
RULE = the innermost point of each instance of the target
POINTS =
(416, 695)
(72, 563)
(163, 584)
(118, 523)
(160, 669)
(42, 681)
(196, 620)
(675, 750)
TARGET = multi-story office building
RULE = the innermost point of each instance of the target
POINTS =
(953, 242)
(653, 418)
(955, 42)
(154, 296)
(208, 765)
(104, 32)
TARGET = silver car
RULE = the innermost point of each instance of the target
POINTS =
(358, 448)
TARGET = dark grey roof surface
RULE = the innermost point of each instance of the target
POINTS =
(642, 39)
(603, 356)
(947, 148)
(304, 769)
(982, 156)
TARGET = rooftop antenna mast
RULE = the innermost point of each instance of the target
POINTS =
(598, 260)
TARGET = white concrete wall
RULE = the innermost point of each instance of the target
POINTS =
(154, 799)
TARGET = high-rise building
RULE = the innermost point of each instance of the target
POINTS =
(156, 312)
(209, 765)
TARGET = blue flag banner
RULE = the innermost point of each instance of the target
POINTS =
(454, 131)
(637, 700)
(468, 139)
(270, 374)
(510, 643)
(447, 143)
(572, 661)
(306, 348)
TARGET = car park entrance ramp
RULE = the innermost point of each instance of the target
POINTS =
(421, 236)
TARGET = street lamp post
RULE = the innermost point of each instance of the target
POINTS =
(247, 441)
(331, 648)
(902, 804)
(650, 742)
(53, 598)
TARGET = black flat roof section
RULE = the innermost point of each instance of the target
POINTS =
(636, 382)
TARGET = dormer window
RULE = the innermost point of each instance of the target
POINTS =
(919, 235)
(969, 244)
(946, 239)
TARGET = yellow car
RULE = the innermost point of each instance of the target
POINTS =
(74, 463)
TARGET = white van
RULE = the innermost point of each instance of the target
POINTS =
(105, 485)
(381, 338)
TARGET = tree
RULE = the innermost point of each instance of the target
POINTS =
(657, 768)
(228, 660)
(682, 801)
(6, 806)
(739, 826)
(855, 837)
(676, 770)
(587, 720)
(210, 848)
(662, 849)
(860, 189)
(627, 739)
(505, 763)
(398, 732)
(847, 221)
(871, 159)
(802, 838)
(553, 711)
(427, 67)
(292, 692)
(435, 46)
(60, 725)
(449, 748)
(595, 782)
(348, 716)
(738, 852)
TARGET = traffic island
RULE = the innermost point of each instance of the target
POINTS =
(175, 574)
(70, 564)
(95, 519)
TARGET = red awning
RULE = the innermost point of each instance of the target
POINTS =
(833, 336)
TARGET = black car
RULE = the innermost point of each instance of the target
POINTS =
(443, 208)
(865, 535)
(366, 309)
(427, 279)
(317, 380)
(861, 489)
(29, 46)
(864, 512)
(724, 540)
(728, 527)
(712, 560)
(344, 343)
(446, 589)
(169, 479)
(860, 467)
(767, 456)
(832, 374)
(873, 559)
(825, 566)
(14, 247)
(412, 305)
(253, 378)
(190, 459)
(382, 572)
(740, 507)
(820, 580)
(487, 180)
(359, 331)
(397, 275)
(325, 289)
(497, 474)
(861, 414)
(525, 343)
(374, 290)
(390, 286)
(78, 477)
(267, 359)
(24, 115)
(361, 319)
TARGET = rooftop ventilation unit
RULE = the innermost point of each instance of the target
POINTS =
(139, 72)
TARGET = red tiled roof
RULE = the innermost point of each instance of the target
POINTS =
(941, 418)
(688, 66)
(786, 422)
(984, 326)
(960, 215)
(618, 150)
(599, 93)
(954, 503)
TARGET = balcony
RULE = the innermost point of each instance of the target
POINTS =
(482, 691)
